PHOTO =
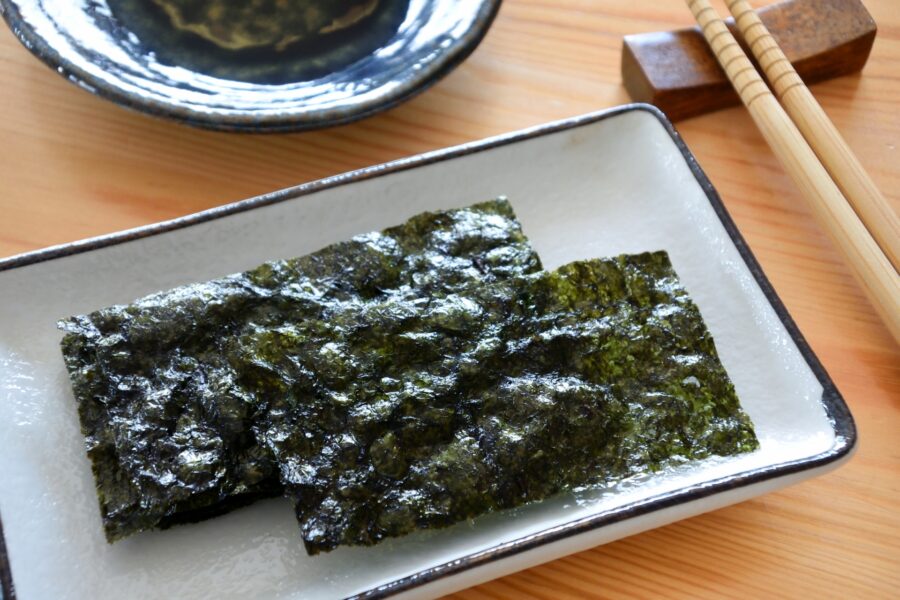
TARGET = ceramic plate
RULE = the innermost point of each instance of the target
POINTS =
(598, 185)
(128, 51)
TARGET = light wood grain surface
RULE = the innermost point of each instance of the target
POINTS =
(73, 166)
(824, 138)
(833, 211)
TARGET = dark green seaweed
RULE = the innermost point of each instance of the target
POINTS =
(422, 411)
(166, 398)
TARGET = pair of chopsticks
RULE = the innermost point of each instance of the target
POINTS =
(842, 195)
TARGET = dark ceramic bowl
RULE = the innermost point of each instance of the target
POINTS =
(398, 51)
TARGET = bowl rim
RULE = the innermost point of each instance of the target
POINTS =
(289, 120)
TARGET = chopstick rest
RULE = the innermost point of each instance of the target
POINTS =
(676, 71)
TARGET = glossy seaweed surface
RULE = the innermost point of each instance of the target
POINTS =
(421, 411)
(167, 396)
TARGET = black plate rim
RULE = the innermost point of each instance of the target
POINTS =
(291, 120)
(835, 407)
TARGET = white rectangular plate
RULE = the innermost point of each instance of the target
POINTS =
(599, 185)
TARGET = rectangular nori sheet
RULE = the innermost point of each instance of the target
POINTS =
(167, 402)
(424, 411)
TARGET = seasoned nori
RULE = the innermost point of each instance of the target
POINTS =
(425, 411)
(166, 399)
(404, 380)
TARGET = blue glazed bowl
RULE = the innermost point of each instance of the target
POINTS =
(122, 51)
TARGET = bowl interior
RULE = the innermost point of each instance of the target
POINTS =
(128, 51)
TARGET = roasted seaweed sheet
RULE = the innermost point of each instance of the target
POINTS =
(422, 411)
(167, 396)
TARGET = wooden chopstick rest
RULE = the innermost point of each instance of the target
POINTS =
(676, 71)
(840, 161)
(874, 271)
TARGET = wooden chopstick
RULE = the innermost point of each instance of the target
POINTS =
(868, 262)
(837, 157)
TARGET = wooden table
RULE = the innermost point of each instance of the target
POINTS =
(75, 166)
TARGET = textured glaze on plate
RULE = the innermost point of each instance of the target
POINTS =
(596, 186)
(115, 50)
